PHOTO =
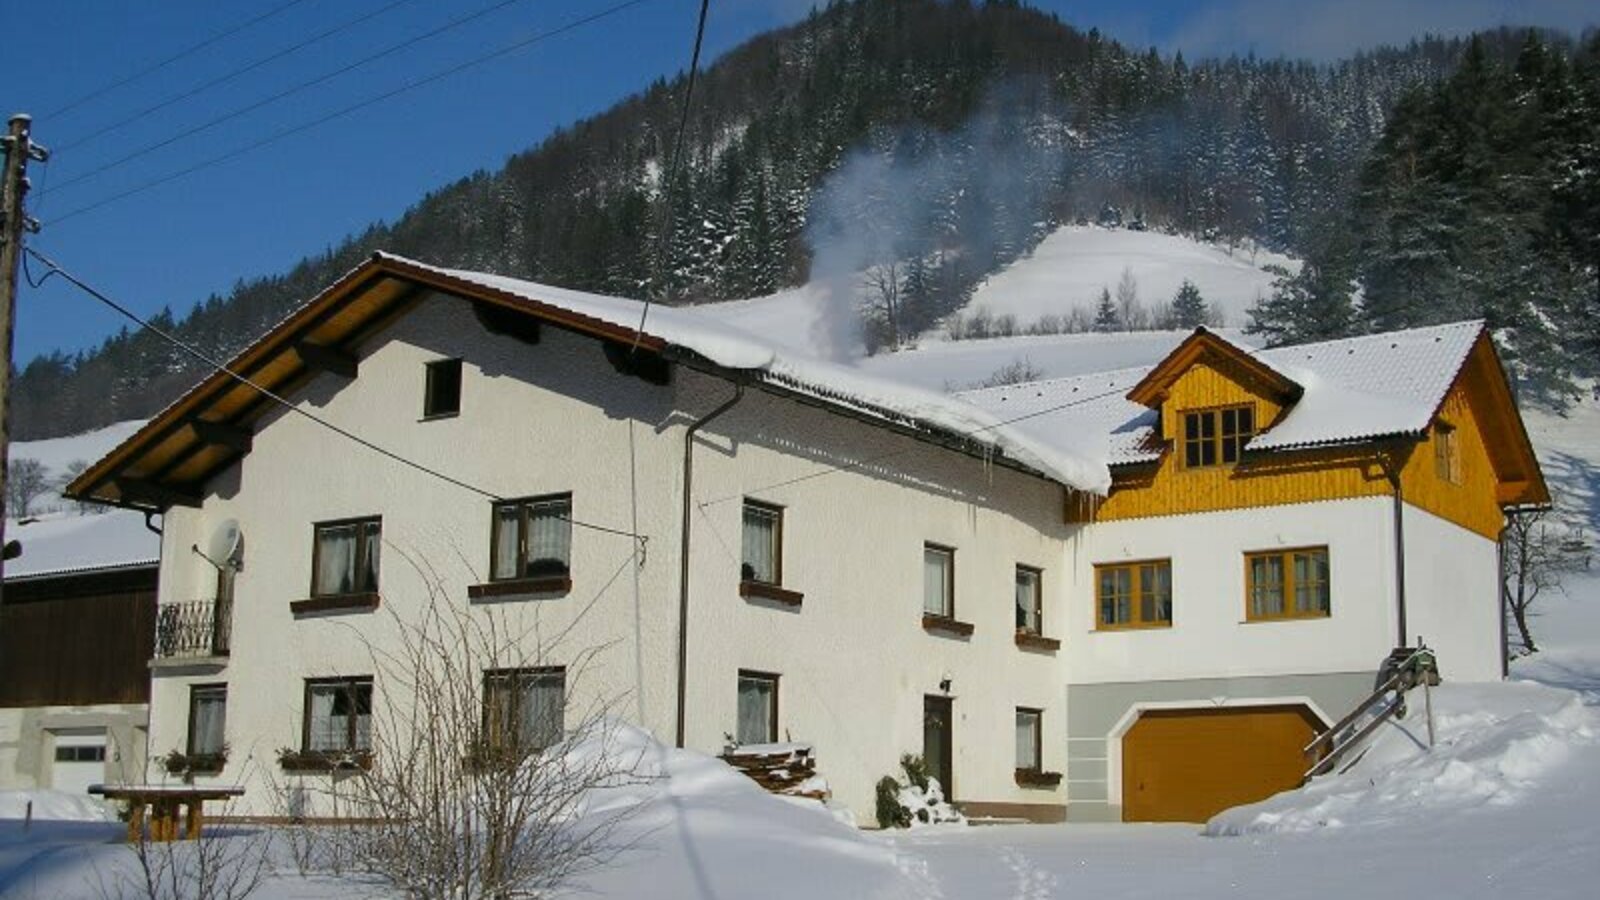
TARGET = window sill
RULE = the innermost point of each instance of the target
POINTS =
(764, 591)
(316, 761)
(1037, 779)
(336, 603)
(1154, 626)
(555, 585)
(437, 416)
(1028, 640)
(946, 624)
(1278, 620)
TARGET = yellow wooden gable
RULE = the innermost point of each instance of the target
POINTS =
(1471, 461)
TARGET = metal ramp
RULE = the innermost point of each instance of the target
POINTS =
(1404, 669)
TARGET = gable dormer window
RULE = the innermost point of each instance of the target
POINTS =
(1214, 437)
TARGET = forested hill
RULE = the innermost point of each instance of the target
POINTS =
(1009, 120)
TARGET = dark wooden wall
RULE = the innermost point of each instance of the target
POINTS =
(78, 639)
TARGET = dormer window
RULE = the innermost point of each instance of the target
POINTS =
(1214, 437)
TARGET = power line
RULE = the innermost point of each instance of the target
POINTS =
(218, 366)
(287, 92)
(672, 167)
(229, 76)
(229, 32)
(344, 111)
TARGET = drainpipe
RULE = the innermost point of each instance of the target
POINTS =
(1391, 469)
(683, 562)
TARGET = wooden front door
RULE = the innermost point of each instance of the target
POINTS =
(938, 742)
(1187, 765)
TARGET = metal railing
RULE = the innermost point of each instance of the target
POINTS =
(193, 628)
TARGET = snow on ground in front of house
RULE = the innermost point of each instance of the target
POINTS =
(1070, 267)
(51, 805)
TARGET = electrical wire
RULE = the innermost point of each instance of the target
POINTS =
(344, 111)
(872, 460)
(129, 79)
(672, 171)
(286, 92)
(218, 366)
(229, 76)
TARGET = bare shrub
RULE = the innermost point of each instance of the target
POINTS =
(228, 863)
(476, 780)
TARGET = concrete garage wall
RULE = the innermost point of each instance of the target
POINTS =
(27, 741)
(1099, 714)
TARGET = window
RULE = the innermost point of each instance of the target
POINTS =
(338, 716)
(758, 708)
(532, 538)
(1029, 740)
(1447, 453)
(524, 709)
(208, 709)
(763, 543)
(1288, 584)
(1211, 436)
(442, 395)
(85, 753)
(1134, 595)
(938, 581)
(345, 558)
(1029, 600)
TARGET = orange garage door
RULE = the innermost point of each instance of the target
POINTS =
(1186, 765)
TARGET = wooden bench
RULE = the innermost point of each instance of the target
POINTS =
(164, 801)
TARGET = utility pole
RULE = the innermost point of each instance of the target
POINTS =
(13, 222)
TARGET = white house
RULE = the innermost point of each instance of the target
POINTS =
(1090, 597)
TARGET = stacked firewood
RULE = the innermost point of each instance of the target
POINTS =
(787, 769)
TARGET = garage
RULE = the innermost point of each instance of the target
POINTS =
(80, 760)
(1186, 765)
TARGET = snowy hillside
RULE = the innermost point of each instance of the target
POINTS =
(57, 535)
(1070, 267)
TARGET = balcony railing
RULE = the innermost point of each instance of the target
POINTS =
(193, 628)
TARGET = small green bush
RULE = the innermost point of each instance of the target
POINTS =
(890, 813)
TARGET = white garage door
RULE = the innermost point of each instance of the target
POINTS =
(80, 760)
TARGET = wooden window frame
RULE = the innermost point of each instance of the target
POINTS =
(363, 553)
(1038, 600)
(195, 691)
(1447, 453)
(1136, 620)
(431, 370)
(1286, 555)
(522, 582)
(494, 741)
(949, 611)
(1038, 738)
(772, 678)
(776, 512)
(349, 682)
(1219, 440)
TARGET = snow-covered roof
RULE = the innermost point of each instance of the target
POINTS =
(1369, 386)
(731, 347)
(1354, 389)
(71, 544)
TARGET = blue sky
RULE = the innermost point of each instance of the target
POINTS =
(258, 213)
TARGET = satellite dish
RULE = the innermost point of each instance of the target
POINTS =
(226, 547)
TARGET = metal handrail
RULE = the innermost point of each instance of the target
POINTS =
(193, 628)
(1416, 667)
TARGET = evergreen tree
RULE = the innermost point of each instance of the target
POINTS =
(1105, 315)
(1189, 309)
(1313, 304)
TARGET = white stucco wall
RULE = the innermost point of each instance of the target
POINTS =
(1209, 636)
(1452, 596)
(854, 659)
